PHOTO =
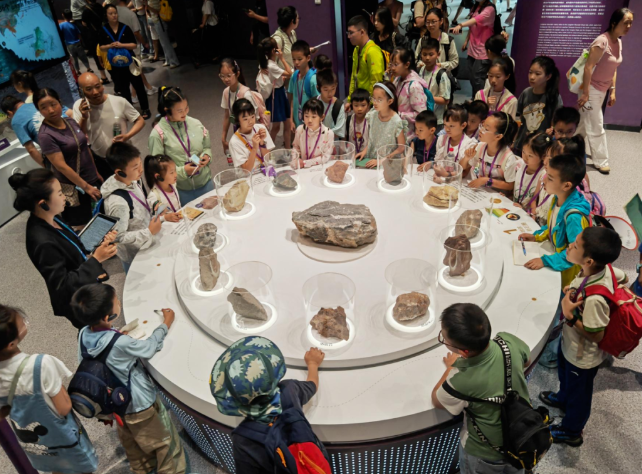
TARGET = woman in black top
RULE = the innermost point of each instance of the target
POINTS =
(116, 35)
(385, 35)
(93, 16)
(53, 247)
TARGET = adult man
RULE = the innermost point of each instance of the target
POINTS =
(97, 116)
(476, 368)
(367, 59)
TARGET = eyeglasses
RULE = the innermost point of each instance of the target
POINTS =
(350, 33)
(432, 22)
(226, 76)
(563, 134)
(441, 340)
(395, 65)
(378, 101)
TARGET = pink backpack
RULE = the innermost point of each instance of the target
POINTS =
(264, 115)
(595, 200)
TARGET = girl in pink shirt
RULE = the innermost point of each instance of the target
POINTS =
(313, 140)
(410, 87)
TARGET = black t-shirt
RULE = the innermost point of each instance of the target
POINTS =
(128, 35)
(250, 457)
(261, 30)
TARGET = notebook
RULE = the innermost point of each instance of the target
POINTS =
(533, 250)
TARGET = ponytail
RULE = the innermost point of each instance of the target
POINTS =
(155, 165)
(234, 66)
(507, 127)
(8, 325)
(168, 97)
(506, 65)
(552, 85)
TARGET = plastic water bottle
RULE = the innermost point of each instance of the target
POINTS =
(116, 129)
(228, 155)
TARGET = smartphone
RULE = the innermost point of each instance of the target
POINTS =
(195, 159)
(161, 209)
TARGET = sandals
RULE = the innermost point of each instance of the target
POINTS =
(146, 114)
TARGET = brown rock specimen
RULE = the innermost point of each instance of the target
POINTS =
(209, 267)
(234, 199)
(440, 196)
(393, 170)
(337, 171)
(458, 254)
(410, 306)
(331, 323)
(246, 305)
(469, 223)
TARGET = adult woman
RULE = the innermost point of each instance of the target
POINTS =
(208, 47)
(161, 29)
(118, 40)
(93, 16)
(183, 139)
(65, 146)
(288, 20)
(600, 73)
(25, 83)
(481, 27)
(385, 35)
(396, 8)
(448, 57)
(53, 247)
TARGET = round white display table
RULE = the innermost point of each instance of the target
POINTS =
(374, 388)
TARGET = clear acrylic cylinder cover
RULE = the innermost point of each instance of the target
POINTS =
(252, 306)
(394, 168)
(442, 186)
(282, 170)
(462, 266)
(235, 193)
(339, 169)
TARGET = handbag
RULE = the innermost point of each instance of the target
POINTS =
(69, 190)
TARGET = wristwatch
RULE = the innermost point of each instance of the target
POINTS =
(489, 183)
(571, 322)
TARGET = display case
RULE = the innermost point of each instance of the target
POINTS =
(282, 170)
(411, 303)
(462, 266)
(474, 212)
(207, 232)
(339, 169)
(442, 186)
(252, 306)
(235, 193)
(329, 310)
(207, 276)
(394, 168)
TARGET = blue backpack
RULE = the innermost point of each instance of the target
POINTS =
(100, 205)
(118, 57)
(95, 390)
(307, 87)
(430, 99)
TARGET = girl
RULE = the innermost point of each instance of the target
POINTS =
(33, 396)
(285, 35)
(186, 141)
(477, 112)
(494, 164)
(497, 93)
(529, 177)
(322, 62)
(24, 83)
(410, 87)
(454, 144)
(232, 76)
(385, 126)
(313, 140)
(160, 174)
(538, 103)
(251, 142)
(448, 56)
(277, 103)
(385, 35)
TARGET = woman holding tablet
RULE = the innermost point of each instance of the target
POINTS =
(53, 247)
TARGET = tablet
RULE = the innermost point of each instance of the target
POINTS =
(94, 232)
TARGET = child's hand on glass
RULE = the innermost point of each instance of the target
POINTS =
(371, 164)
(314, 357)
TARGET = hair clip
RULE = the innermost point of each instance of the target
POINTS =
(548, 139)
(504, 51)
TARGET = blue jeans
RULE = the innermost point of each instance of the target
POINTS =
(469, 464)
(187, 196)
(126, 266)
(160, 27)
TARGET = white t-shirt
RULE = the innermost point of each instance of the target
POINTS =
(506, 162)
(240, 150)
(208, 9)
(275, 73)
(172, 201)
(228, 99)
(52, 372)
(139, 4)
(526, 185)
(100, 125)
(128, 17)
(445, 151)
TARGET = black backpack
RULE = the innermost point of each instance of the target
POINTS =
(100, 205)
(525, 429)
(336, 110)
(497, 26)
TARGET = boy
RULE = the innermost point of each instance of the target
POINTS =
(150, 444)
(71, 35)
(303, 84)
(565, 123)
(579, 355)
(567, 216)
(357, 126)
(424, 145)
(438, 86)
(475, 368)
(124, 198)
(334, 116)
(477, 112)
(261, 397)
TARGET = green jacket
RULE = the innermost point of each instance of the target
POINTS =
(164, 141)
(371, 67)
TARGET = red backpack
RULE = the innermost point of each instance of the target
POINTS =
(624, 330)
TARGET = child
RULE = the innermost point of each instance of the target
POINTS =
(232, 76)
(322, 62)
(136, 227)
(424, 145)
(493, 163)
(71, 34)
(438, 87)
(262, 397)
(40, 401)
(251, 142)
(567, 217)
(565, 123)
(313, 140)
(498, 94)
(528, 179)
(334, 115)
(149, 438)
(496, 48)
(477, 112)
(453, 145)
(410, 87)
(272, 77)
(357, 126)
(160, 174)
(303, 84)
(384, 124)
(538, 103)
(579, 355)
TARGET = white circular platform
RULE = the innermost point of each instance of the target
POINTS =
(331, 253)
(416, 325)
(330, 343)
(348, 180)
(248, 210)
(389, 188)
(255, 326)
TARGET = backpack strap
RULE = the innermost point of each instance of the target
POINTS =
(508, 365)
(575, 211)
(109, 33)
(127, 197)
(601, 291)
(307, 81)
(482, 95)
(121, 32)
(336, 110)
(16, 377)
(160, 132)
(102, 357)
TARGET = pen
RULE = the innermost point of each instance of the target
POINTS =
(523, 247)
(159, 312)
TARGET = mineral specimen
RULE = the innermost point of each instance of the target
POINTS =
(337, 171)
(205, 236)
(458, 254)
(246, 305)
(393, 170)
(410, 306)
(469, 223)
(345, 225)
(284, 181)
(441, 196)
(331, 323)
(209, 268)
(234, 199)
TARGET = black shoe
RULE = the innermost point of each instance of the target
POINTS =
(105, 81)
(454, 23)
(146, 114)
(509, 9)
(550, 399)
(560, 435)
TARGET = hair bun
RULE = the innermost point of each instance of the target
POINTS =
(18, 180)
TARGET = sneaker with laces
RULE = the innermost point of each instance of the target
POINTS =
(560, 435)
(550, 399)
(152, 91)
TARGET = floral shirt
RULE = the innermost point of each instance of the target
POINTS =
(305, 140)
(412, 99)
(382, 133)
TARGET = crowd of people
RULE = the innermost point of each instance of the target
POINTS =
(527, 144)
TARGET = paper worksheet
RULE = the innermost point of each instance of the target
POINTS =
(533, 250)
(322, 44)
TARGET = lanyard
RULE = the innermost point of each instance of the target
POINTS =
(189, 145)
(229, 105)
(458, 148)
(492, 165)
(545, 199)
(325, 111)
(143, 203)
(68, 239)
(427, 150)
(521, 196)
(300, 88)
(307, 152)
(358, 143)
(167, 197)
(580, 289)
(431, 78)
(250, 147)
(499, 99)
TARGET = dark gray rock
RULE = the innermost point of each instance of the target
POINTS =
(284, 181)
(331, 323)
(205, 236)
(393, 170)
(246, 305)
(209, 268)
(410, 306)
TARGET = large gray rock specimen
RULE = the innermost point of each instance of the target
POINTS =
(441, 196)
(345, 225)
(331, 323)
(205, 236)
(284, 181)
(469, 223)
(234, 199)
(393, 170)
(458, 254)
(337, 171)
(410, 306)
(209, 268)
(246, 305)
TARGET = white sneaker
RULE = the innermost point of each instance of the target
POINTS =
(135, 100)
(152, 91)
(165, 64)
